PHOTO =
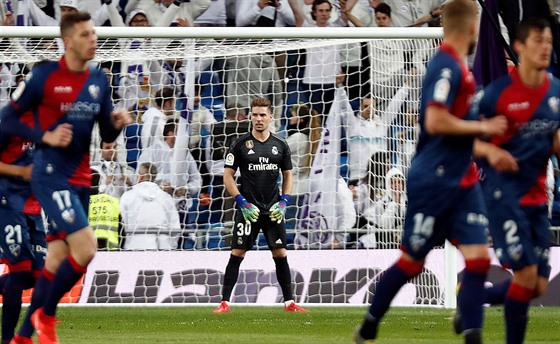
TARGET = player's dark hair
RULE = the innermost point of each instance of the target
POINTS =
(317, 3)
(163, 95)
(527, 25)
(69, 20)
(383, 8)
(261, 102)
(148, 170)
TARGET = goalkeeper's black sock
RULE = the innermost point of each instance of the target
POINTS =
(230, 278)
(284, 277)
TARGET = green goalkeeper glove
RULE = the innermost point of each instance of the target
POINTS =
(249, 211)
(278, 209)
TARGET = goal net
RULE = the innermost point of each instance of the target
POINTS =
(345, 100)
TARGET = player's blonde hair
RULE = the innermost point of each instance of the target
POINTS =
(458, 15)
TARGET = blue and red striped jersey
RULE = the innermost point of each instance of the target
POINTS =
(533, 118)
(56, 95)
(442, 159)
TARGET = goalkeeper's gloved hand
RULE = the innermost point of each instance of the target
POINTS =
(279, 208)
(249, 211)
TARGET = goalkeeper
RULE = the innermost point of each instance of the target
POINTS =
(260, 156)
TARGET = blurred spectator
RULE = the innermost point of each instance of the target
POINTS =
(368, 132)
(139, 79)
(202, 119)
(164, 12)
(405, 135)
(254, 76)
(322, 63)
(107, 67)
(264, 13)
(104, 216)
(386, 214)
(150, 219)
(215, 15)
(40, 18)
(345, 215)
(115, 176)
(155, 118)
(372, 186)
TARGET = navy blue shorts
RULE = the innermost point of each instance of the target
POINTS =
(23, 241)
(434, 215)
(521, 235)
(65, 206)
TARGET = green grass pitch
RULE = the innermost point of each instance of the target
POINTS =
(256, 325)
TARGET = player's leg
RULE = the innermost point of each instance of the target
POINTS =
(388, 286)
(527, 248)
(275, 234)
(39, 246)
(422, 231)
(243, 238)
(18, 255)
(470, 303)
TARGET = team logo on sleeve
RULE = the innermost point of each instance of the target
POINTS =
(93, 91)
(274, 150)
(553, 104)
(18, 91)
(230, 159)
(441, 90)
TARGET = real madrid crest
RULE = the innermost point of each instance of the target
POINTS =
(249, 144)
(274, 150)
(93, 91)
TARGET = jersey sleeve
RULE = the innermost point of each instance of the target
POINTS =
(26, 97)
(231, 159)
(442, 85)
(107, 130)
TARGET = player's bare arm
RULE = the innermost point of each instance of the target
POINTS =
(556, 143)
(440, 122)
(23, 172)
(500, 159)
(287, 178)
(61, 136)
(229, 182)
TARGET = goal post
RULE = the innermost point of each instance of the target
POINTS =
(218, 71)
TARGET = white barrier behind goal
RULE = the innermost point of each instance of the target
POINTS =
(228, 67)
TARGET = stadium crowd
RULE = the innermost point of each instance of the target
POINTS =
(177, 143)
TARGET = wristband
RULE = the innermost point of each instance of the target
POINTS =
(285, 198)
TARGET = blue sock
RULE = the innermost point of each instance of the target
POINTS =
(472, 287)
(388, 286)
(14, 286)
(69, 272)
(40, 291)
(496, 294)
(516, 308)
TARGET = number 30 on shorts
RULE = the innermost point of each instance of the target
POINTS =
(243, 229)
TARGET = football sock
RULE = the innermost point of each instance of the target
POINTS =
(516, 308)
(14, 286)
(230, 278)
(69, 272)
(40, 291)
(472, 287)
(3, 279)
(496, 294)
(388, 286)
(284, 277)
